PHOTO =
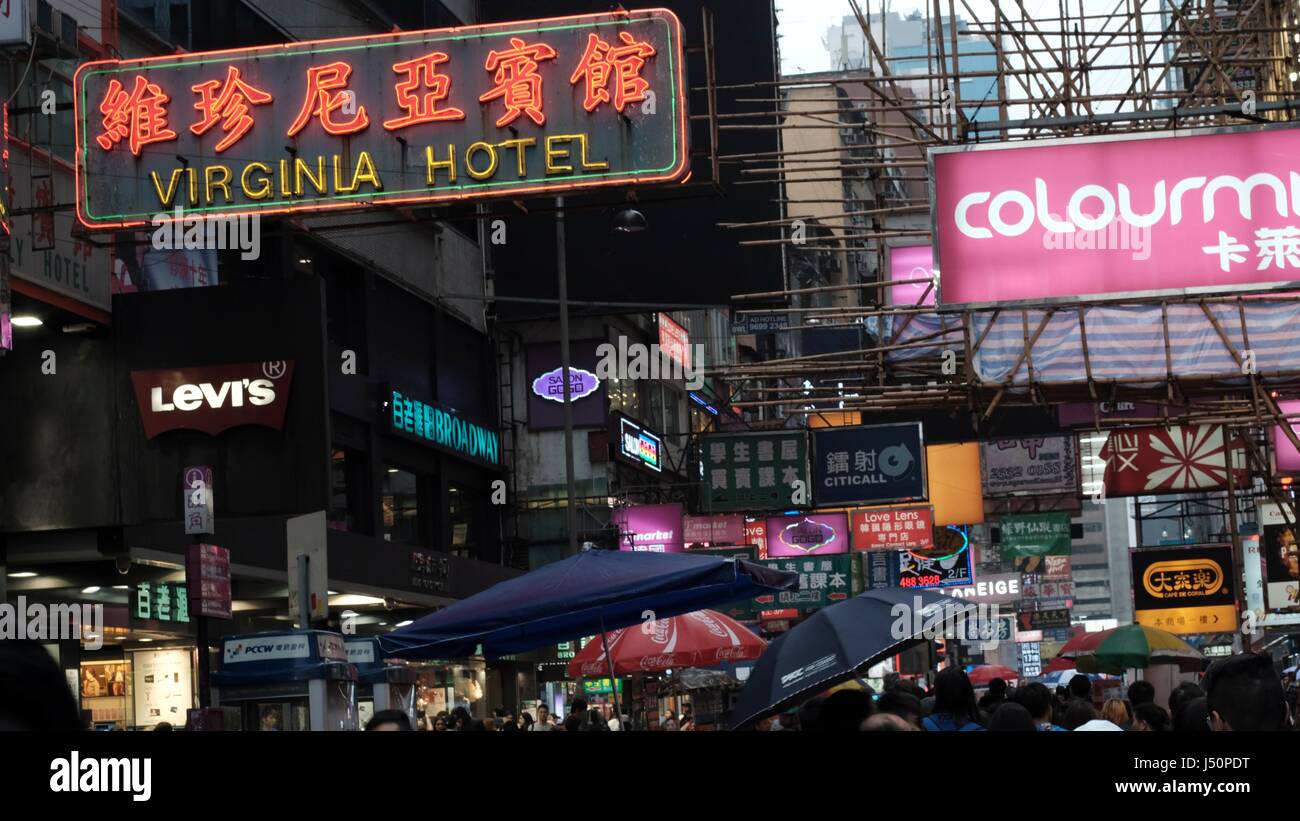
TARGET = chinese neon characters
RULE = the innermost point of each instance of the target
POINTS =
(422, 108)
(602, 61)
(139, 117)
(517, 80)
(608, 72)
(324, 98)
(228, 102)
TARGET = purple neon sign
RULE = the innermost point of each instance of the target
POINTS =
(550, 385)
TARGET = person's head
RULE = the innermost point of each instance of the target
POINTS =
(1150, 717)
(998, 688)
(887, 722)
(1081, 687)
(1243, 693)
(1141, 692)
(1011, 717)
(525, 719)
(388, 721)
(1182, 694)
(543, 714)
(669, 723)
(1115, 710)
(1289, 552)
(844, 710)
(1062, 692)
(1037, 699)
(954, 695)
(440, 724)
(163, 727)
(904, 705)
(579, 706)
(489, 724)
(460, 719)
(1080, 712)
(1192, 717)
(596, 720)
(270, 720)
(809, 714)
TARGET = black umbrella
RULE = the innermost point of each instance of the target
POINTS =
(834, 644)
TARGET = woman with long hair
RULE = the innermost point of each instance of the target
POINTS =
(955, 709)
(1116, 711)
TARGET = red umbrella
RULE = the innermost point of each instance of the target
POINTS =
(1084, 645)
(1059, 663)
(987, 672)
(700, 639)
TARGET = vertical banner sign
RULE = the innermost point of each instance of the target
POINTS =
(754, 471)
(650, 528)
(869, 464)
(1031, 660)
(504, 109)
(674, 342)
(207, 574)
(1185, 589)
(6, 236)
(819, 533)
(197, 501)
(1035, 534)
(909, 528)
(880, 568)
(1281, 559)
(1029, 467)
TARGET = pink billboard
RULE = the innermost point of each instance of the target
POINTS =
(1054, 219)
(908, 262)
(1288, 459)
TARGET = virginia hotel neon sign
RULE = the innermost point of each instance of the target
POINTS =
(501, 109)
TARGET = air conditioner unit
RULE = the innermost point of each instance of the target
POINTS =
(68, 30)
(45, 17)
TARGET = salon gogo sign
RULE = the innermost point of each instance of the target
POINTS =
(1052, 219)
(505, 109)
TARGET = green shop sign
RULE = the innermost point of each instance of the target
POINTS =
(160, 601)
(444, 428)
(1035, 534)
(599, 686)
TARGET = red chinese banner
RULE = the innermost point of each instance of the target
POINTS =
(1180, 459)
(899, 528)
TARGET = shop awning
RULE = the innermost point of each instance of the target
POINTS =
(583, 595)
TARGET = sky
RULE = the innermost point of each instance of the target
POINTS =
(802, 26)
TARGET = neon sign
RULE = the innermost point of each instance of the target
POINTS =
(638, 446)
(550, 385)
(444, 428)
(504, 109)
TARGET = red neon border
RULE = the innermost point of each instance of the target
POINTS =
(684, 118)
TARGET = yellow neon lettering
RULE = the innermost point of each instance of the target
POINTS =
(469, 160)
(284, 178)
(261, 193)
(209, 183)
(166, 199)
(366, 171)
(432, 165)
(301, 168)
(519, 144)
(552, 154)
(586, 164)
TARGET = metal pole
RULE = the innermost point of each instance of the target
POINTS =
(613, 680)
(304, 593)
(205, 659)
(561, 265)
(1238, 559)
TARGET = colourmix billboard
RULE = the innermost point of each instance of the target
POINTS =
(504, 109)
(1054, 219)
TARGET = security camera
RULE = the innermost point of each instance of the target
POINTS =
(123, 564)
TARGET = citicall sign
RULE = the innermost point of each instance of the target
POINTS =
(213, 398)
(1053, 219)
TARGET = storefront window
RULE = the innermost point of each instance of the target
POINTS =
(623, 397)
(400, 499)
(460, 509)
(440, 689)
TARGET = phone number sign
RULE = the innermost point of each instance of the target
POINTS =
(506, 109)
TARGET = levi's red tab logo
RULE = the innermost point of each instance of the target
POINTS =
(213, 398)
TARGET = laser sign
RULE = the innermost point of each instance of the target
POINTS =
(507, 109)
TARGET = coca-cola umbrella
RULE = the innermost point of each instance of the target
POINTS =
(703, 638)
(983, 674)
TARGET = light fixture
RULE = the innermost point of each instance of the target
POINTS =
(25, 321)
(630, 221)
(332, 592)
(94, 588)
(79, 328)
(392, 470)
(22, 574)
(146, 639)
(383, 624)
(403, 623)
(1292, 76)
(121, 587)
(355, 600)
(304, 260)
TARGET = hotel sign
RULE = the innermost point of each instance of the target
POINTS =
(506, 109)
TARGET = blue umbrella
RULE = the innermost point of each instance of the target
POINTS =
(583, 595)
(834, 644)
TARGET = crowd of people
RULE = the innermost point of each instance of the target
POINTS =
(1241, 692)
(581, 718)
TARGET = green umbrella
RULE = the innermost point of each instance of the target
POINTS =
(1137, 645)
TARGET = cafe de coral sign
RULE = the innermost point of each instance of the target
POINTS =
(506, 109)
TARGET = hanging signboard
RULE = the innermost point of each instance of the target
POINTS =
(722, 529)
(755, 471)
(1178, 459)
(650, 528)
(823, 581)
(1281, 559)
(947, 564)
(803, 535)
(869, 464)
(1033, 466)
(910, 528)
(1185, 589)
(1035, 534)
(504, 109)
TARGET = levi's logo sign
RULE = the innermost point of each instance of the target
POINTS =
(213, 398)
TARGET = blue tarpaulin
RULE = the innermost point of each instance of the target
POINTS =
(583, 595)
